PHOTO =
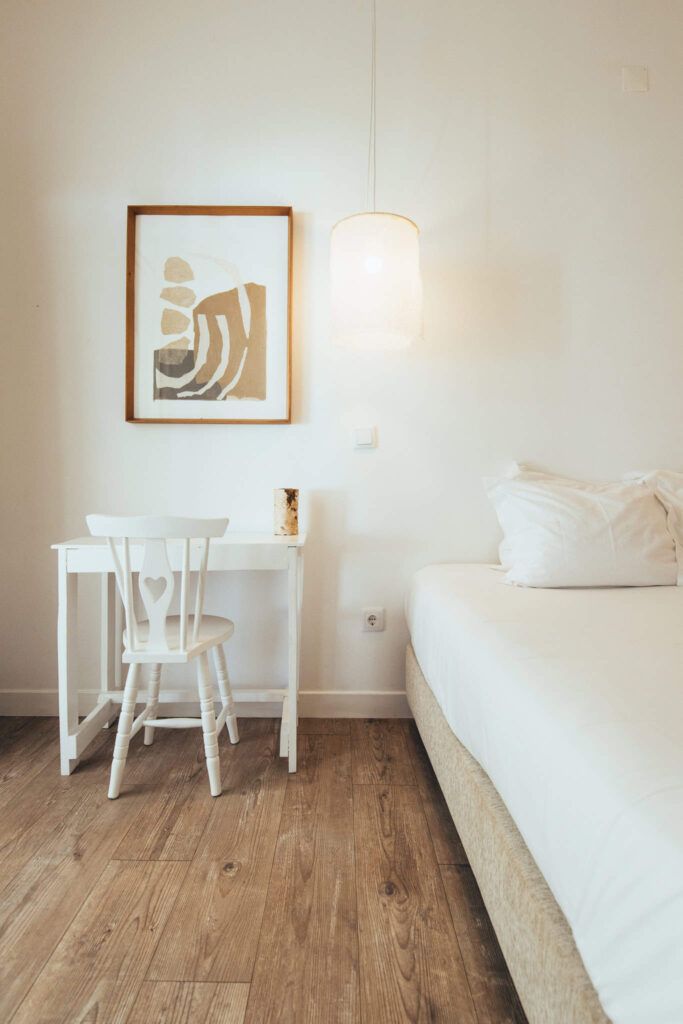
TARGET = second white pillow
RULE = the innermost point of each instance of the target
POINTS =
(668, 486)
(567, 533)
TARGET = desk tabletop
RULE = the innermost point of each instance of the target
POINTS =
(269, 539)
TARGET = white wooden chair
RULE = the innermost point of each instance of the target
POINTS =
(163, 639)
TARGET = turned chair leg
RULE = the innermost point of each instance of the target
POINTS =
(152, 701)
(213, 765)
(226, 692)
(123, 732)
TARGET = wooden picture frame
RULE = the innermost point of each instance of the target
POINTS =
(190, 347)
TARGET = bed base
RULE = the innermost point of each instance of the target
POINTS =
(534, 935)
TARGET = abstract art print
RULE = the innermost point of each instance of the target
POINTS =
(208, 314)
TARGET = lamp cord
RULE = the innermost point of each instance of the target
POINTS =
(371, 185)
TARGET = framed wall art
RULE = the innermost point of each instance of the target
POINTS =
(208, 314)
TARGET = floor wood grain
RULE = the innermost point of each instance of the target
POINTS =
(171, 822)
(380, 754)
(41, 810)
(307, 962)
(302, 899)
(213, 931)
(24, 752)
(447, 845)
(38, 902)
(98, 966)
(324, 727)
(412, 970)
(10, 725)
(187, 1002)
(494, 995)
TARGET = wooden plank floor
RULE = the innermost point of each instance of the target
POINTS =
(339, 895)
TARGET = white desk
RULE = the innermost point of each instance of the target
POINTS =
(251, 551)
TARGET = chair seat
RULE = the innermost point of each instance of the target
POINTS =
(213, 630)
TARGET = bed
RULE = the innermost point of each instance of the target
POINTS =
(554, 721)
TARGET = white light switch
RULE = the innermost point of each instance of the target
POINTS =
(634, 79)
(364, 437)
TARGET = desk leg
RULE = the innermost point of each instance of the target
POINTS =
(110, 640)
(66, 647)
(293, 605)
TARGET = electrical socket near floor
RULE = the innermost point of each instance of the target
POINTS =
(372, 620)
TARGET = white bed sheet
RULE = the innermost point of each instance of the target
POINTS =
(572, 702)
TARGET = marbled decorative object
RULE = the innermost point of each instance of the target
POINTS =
(286, 511)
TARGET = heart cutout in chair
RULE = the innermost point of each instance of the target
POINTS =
(156, 586)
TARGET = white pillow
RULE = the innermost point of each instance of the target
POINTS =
(668, 486)
(567, 533)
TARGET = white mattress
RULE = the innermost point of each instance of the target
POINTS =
(572, 702)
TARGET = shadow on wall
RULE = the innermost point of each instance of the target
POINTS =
(507, 303)
(326, 526)
(33, 433)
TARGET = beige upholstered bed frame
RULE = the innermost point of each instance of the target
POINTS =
(532, 930)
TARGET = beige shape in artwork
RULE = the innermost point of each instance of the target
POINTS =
(252, 381)
(178, 270)
(173, 322)
(179, 296)
(223, 362)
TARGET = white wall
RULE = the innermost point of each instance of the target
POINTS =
(551, 216)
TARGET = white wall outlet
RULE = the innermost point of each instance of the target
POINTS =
(373, 620)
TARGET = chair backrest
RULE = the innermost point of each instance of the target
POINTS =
(156, 582)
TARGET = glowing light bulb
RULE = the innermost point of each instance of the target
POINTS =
(372, 264)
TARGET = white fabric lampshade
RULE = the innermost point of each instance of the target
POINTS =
(375, 282)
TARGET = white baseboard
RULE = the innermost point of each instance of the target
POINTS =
(312, 704)
(31, 703)
(353, 704)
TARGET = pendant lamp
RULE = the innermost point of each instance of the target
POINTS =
(375, 266)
